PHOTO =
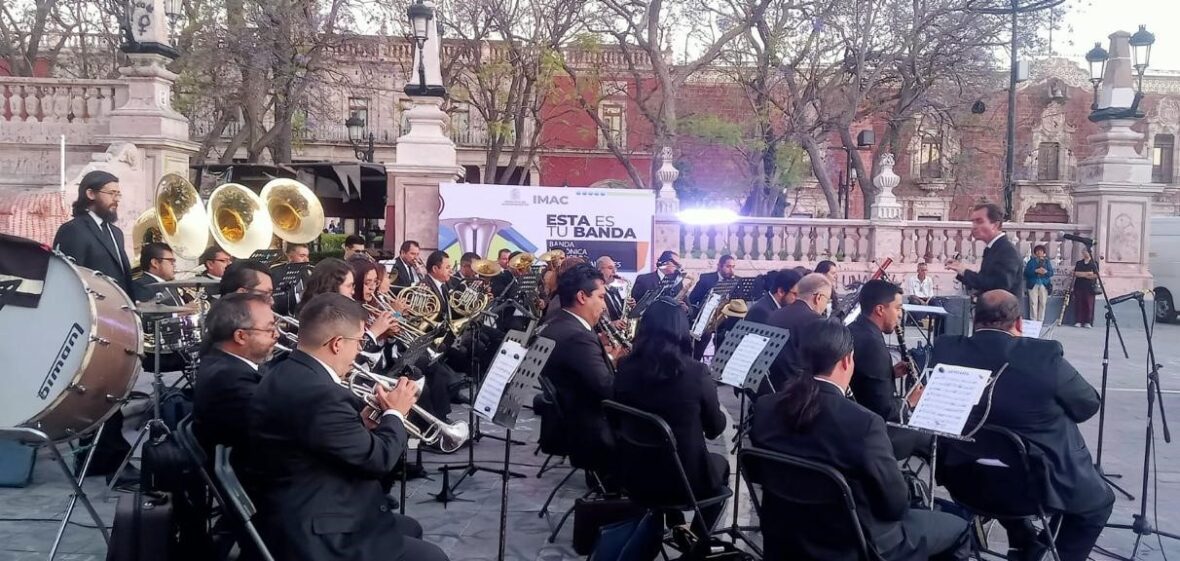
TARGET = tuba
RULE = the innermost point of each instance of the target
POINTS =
(145, 230)
(239, 222)
(181, 217)
(294, 210)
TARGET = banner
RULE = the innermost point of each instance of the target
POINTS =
(587, 223)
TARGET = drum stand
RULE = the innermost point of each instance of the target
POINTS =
(36, 438)
(155, 422)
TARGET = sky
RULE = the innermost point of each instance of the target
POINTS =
(1094, 20)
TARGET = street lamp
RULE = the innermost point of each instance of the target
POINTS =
(356, 135)
(420, 17)
(864, 141)
(141, 20)
(1140, 44)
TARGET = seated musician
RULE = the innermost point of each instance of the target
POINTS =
(239, 335)
(215, 260)
(288, 286)
(581, 368)
(1041, 397)
(812, 293)
(873, 384)
(318, 466)
(466, 273)
(661, 377)
(380, 347)
(553, 307)
(442, 373)
(250, 277)
(667, 272)
(158, 264)
(617, 289)
(812, 419)
(780, 292)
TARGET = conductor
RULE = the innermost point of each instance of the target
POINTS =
(1001, 268)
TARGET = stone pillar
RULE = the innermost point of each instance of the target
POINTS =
(665, 232)
(425, 157)
(1114, 192)
(885, 212)
(146, 119)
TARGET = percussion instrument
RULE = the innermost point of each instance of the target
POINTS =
(156, 308)
(187, 282)
(74, 358)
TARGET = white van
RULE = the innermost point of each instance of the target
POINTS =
(1164, 261)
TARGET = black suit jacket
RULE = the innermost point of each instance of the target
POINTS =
(872, 381)
(690, 406)
(852, 440)
(1040, 397)
(794, 318)
(90, 247)
(583, 376)
(403, 274)
(644, 283)
(762, 309)
(212, 290)
(443, 296)
(702, 288)
(318, 468)
(221, 402)
(1001, 268)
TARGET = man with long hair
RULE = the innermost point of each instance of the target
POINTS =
(811, 418)
(93, 241)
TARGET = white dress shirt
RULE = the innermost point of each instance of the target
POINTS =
(921, 288)
(580, 320)
(118, 243)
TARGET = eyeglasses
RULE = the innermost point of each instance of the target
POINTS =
(266, 293)
(113, 194)
(346, 338)
(223, 260)
(168, 259)
(274, 328)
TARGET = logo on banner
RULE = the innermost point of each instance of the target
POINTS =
(515, 199)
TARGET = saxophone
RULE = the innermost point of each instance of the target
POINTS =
(686, 287)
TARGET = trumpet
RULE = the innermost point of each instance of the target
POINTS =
(363, 384)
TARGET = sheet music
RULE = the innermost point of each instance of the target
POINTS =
(742, 360)
(508, 359)
(950, 394)
(707, 311)
(920, 309)
(1032, 328)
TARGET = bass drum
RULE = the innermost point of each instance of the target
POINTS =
(72, 360)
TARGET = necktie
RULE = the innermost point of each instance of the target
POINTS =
(115, 243)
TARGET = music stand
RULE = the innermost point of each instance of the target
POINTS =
(950, 430)
(266, 255)
(513, 391)
(759, 366)
(744, 289)
(911, 309)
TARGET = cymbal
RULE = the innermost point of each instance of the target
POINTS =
(191, 281)
(154, 308)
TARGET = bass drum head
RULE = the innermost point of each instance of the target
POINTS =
(58, 379)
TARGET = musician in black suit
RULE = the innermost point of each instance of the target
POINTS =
(406, 265)
(249, 277)
(440, 376)
(91, 238)
(580, 367)
(93, 241)
(240, 333)
(780, 291)
(318, 465)
(466, 273)
(873, 381)
(1001, 267)
(812, 293)
(215, 261)
(158, 264)
(811, 418)
(661, 377)
(1041, 397)
(667, 271)
(828, 269)
(701, 290)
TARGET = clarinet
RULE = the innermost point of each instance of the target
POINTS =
(615, 337)
(906, 358)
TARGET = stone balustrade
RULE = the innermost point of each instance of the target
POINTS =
(53, 100)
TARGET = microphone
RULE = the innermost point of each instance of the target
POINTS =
(1077, 238)
(1137, 295)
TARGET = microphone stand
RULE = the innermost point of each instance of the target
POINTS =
(1140, 523)
(1110, 320)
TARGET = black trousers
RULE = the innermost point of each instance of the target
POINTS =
(945, 535)
(1079, 532)
(415, 549)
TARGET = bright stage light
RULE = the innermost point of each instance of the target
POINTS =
(707, 216)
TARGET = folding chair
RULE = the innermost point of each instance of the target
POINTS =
(242, 505)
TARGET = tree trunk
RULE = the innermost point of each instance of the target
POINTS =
(821, 173)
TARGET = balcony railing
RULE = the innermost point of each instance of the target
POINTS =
(471, 136)
(807, 240)
(79, 108)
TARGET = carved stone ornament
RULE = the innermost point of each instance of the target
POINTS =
(1168, 112)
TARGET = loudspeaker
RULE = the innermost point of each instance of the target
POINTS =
(958, 315)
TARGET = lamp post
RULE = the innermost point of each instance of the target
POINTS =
(1012, 9)
(420, 17)
(142, 32)
(356, 135)
(1140, 44)
(864, 141)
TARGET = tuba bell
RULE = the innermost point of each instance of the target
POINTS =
(239, 223)
(294, 210)
(145, 230)
(180, 216)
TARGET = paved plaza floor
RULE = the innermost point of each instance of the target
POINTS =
(467, 530)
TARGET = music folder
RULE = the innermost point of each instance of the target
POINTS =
(510, 378)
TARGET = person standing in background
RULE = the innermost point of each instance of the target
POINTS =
(1085, 279)
(1038, 275)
